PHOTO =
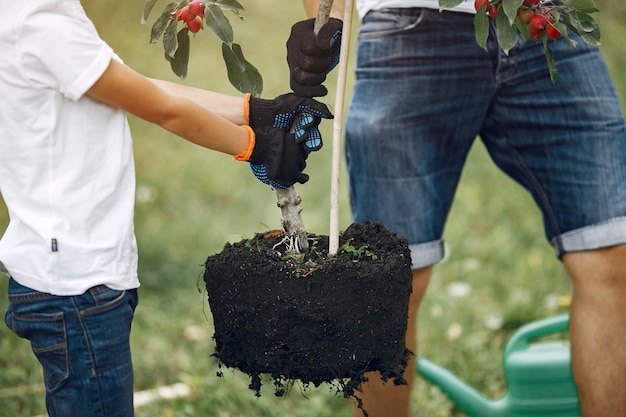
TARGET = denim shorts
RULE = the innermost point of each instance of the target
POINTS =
(425, 90)
(82, 343)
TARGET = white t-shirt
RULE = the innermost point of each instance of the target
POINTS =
(67, 172)
(364, 6)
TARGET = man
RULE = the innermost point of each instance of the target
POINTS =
(424, 90)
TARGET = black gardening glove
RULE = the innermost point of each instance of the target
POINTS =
(311, 57)
(287, 111)
(277, 159)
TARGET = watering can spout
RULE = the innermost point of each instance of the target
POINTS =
(463, 395)
(538, 377)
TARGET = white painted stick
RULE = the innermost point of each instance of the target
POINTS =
(333, 237)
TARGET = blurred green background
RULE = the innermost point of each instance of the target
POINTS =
(499, 272)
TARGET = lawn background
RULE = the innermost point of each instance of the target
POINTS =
(499, 271)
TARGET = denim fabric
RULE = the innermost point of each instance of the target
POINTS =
(83, 345)
(425, 90)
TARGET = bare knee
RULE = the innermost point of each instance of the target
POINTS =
(601, 269)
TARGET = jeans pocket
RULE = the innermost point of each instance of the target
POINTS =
(388, 22)
(47, 336)
(105, 299)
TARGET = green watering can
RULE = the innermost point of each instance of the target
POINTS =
(538, 377)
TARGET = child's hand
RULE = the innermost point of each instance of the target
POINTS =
(302, 115)
(277, 158)
(283, 131)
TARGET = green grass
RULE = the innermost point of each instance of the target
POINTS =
(193, 201)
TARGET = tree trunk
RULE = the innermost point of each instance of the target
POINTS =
(288, 199)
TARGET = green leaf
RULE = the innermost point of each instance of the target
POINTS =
(510, 9)
(587, 6)
(554, 74)
(583, 21)
(448, 4)
(180, 61)
(562, 28)
(218, 23)
(522, 29)
(170, 40)
(232, 5)
(241, 74)
(159, 26)
(481, 27)
(584, 25)
(147, 8)
(507, 33)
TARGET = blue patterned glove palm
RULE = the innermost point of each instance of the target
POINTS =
(260, 172)
(287, 132)
(289, 111)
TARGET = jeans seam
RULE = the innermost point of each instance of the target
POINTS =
(535, 185)
(30, 297)
(80, 317)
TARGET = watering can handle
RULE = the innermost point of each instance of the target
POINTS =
(530, 331)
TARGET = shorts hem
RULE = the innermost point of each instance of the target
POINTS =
(597, 236)
(426, 254)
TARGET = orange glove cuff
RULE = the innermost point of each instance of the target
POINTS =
(245, 155)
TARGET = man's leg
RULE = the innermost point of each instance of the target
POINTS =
(387, 399)
(403, 168)
(598, 329)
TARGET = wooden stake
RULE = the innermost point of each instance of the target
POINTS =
(333, 237)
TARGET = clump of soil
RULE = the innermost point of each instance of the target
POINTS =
(316, 319)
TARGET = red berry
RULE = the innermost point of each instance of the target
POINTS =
(195, 25)
(197, 8)
(479, 3)
(536, 26)
(547, 14)
(185, 15)
(552, 32)
(532, 2)
(525, 15)
(493, 10)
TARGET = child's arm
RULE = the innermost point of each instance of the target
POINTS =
(251, 129)
(160, 103)
(229, 107)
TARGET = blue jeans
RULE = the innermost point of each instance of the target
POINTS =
(425, 90)
(82, 343)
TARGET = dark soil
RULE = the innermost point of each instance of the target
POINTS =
(316, 319)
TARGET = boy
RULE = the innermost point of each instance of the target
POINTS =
(67, 177)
